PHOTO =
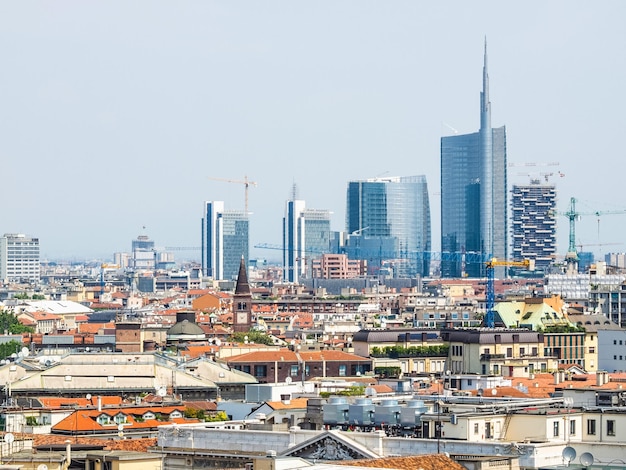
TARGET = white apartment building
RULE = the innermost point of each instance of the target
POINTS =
(19, 258)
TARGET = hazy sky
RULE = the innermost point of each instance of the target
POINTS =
(114, 114)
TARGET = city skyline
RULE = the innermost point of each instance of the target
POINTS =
(114, 115)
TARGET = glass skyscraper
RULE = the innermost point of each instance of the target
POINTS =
(474, 195)
(225, 239)
(388, 222)
(306, 235)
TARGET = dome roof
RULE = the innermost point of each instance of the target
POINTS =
(185, 330)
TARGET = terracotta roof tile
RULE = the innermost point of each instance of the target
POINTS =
(137, 445)
(293, 404)
(414, 462)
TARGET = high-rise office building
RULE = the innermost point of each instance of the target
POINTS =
(474, 193)
(306, 235)
(533, 223)
(388, 221)
(143, 254)
(225, 239)
(19, 258)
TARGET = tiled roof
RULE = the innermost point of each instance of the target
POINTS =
(201, 405)
(137, 445)
(58, 402)
(382, 388)
(290, 356)
(93, 328)
(85, 420)
(293, 404)
(197, 292)
(413, 462)
(41, 316)
(197, 351)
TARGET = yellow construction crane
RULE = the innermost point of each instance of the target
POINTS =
(245, 182)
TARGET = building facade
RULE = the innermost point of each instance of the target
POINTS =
(533, 223)
(225, 239)
(474, 193)
(389, 219)
(330, 266)
(306, 235)
(143, 254)
(19, 258)
(498, 351)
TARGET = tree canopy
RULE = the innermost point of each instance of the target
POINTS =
(10, 324)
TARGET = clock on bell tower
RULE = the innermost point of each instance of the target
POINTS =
(242, 301)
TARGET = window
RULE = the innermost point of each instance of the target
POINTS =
(592, 349)
(294, 370)
(610, 427)
(509, 352)
(534, 351)
(555, 429)
(342, 370)
(260, 371)
(476, 427)
(572, 428)
(522, 351)
(591, 427)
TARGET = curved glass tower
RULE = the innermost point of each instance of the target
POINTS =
(388, 221)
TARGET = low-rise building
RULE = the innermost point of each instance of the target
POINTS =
(277, 366)
(497, 351)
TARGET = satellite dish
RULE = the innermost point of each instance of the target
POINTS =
(43, 466)
(120, 427)
(288, 380)
(218, 342)
(480, 392)
(25, 352)
(494, 392)
(88, 396)
(586, 459)
(161, 392)
(9, 438)
(569, 454)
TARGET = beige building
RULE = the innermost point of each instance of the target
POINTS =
(497, 351)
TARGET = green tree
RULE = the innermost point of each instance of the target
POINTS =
(219, 416)
(253, 337)
(6, 349)
(10, 323)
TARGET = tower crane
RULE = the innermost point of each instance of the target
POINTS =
(245, 182)
(572, 214)
(490, 317)
(104, 266)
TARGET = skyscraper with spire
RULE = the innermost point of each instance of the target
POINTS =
(474, 193)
